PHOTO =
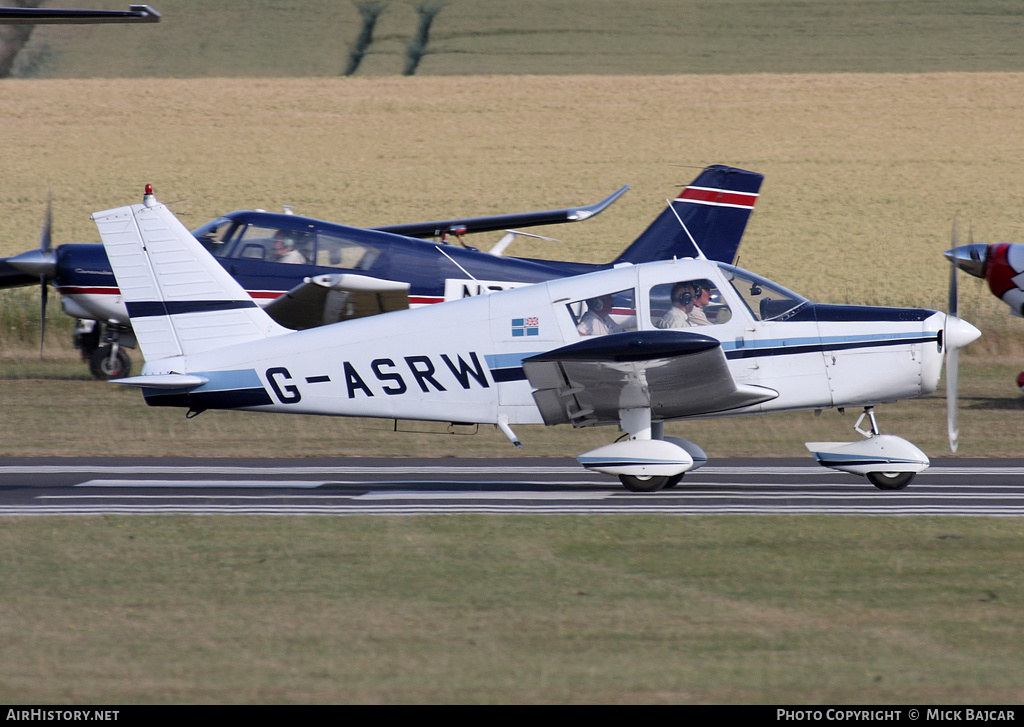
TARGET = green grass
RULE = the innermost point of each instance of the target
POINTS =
(544, 37)
(511, 610)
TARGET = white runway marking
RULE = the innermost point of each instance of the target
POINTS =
(537, 489)
(177, 484)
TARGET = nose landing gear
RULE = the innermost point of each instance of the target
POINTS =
(889, 462)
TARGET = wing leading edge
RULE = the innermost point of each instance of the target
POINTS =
(673, 373)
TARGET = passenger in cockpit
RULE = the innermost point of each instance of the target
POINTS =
(701, 297)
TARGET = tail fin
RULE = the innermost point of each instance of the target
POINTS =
(707, 217)
(179, 299)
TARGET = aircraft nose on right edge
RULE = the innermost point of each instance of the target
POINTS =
(969, 258)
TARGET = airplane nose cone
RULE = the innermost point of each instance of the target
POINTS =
(969, 258)
(960, 333)
(35, 262)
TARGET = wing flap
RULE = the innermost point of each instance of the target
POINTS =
(327, 299)
(673, 373)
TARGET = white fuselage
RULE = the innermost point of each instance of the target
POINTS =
(462, 361)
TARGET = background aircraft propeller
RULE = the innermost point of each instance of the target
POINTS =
(957, 334)
(40, 263)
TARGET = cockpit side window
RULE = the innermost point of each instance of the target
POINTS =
(604, 314)
(339, 252)
(273, 245)
(688, 303)
(765, 299)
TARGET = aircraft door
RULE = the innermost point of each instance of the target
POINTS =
(778, 344)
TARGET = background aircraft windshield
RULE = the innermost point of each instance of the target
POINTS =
(215, 235)
(765, 299)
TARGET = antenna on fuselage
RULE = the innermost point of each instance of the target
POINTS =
(471, 276)
(700, 253)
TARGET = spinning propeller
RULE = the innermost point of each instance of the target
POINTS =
(41, 262)
(957, 334)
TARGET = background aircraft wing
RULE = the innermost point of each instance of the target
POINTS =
(332, 298)
(502, 222)
(674, 373)
(54, 16)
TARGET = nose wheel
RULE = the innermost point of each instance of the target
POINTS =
(638, 483)
(889, 462)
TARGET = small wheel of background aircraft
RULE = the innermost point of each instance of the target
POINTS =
(335, 272)
(597, 349)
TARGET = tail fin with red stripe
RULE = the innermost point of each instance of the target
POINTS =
(706, 219)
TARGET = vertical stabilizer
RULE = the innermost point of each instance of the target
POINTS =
(179, 298)
(709, 217)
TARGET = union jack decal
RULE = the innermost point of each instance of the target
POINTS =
(526, 326)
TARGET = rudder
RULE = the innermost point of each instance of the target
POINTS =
(179, 298)
(714, 209)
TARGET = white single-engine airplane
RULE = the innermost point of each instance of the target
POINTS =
(589, 350)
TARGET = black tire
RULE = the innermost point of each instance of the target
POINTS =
(673, 481)
(105, 368)
(890, 480)
(651, 483)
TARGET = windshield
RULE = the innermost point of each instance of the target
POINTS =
(216, 235)
(765, 299)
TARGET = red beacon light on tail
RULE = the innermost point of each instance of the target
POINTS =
(148, 198)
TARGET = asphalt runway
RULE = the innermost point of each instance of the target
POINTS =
(63, 486)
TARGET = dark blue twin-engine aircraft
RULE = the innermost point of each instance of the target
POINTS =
(307, 272)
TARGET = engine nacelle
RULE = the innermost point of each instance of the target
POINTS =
(880, 453)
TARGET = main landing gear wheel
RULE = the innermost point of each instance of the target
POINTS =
(650, 483)
(890, 480)
(105, 366)
(673, 481)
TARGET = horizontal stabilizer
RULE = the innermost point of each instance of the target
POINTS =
(328, 299)
(163, 381)
(673, 373)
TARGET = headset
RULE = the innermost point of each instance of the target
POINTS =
(680, 294)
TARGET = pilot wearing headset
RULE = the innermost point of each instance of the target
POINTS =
(688, 301)
(283, 249)
(597, 321)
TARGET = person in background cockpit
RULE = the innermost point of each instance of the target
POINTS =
(283, 249)
(597, 321)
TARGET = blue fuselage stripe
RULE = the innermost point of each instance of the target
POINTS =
(509, 367)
